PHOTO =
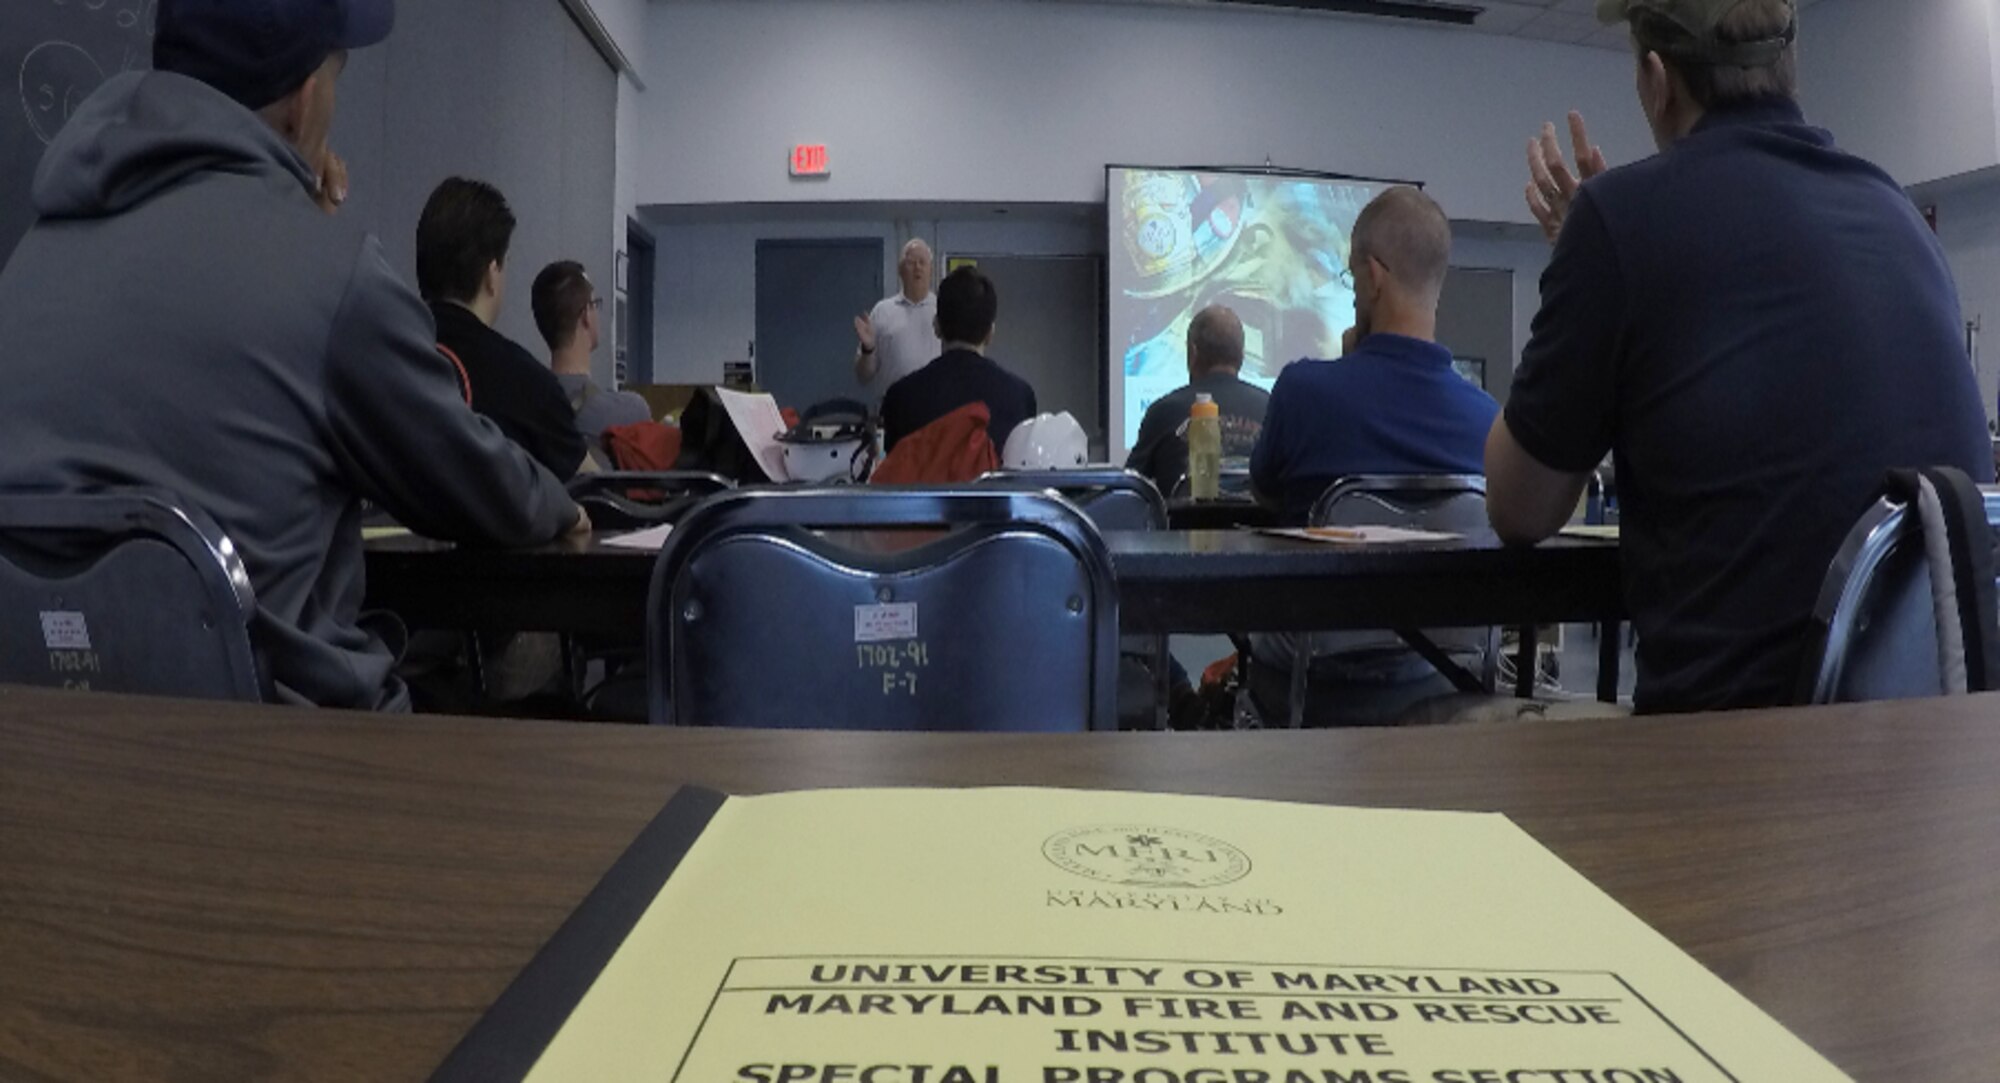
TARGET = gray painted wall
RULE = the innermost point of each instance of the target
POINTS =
(1013, 100)
(1969, 227)
(1476, 319)
(1913, 85)
(508, 91)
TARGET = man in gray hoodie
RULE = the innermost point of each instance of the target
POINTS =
(186, 314)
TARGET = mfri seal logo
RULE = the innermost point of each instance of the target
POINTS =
(1148, 857)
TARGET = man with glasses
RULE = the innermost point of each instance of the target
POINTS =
(1392, 404)
(569, 313)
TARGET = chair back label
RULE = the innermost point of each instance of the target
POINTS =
(881, 623)
(65, 630)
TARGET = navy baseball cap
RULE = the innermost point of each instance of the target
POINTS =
(257, 51)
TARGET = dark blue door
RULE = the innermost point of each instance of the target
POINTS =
(808, 293)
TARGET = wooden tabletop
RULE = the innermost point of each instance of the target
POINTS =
(192, 891)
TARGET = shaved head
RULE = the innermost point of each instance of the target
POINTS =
(1215, 341)
(1407, 233)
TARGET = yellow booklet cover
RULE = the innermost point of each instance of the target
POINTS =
(1050, 936)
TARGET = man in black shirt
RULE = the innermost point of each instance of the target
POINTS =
(1757, 325)
(1215, 354)
(966, 309)
(462, 241)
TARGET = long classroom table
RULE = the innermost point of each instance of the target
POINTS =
(1168, 581)
(201, 891)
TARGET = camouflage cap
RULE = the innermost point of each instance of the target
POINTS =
(1698, 22)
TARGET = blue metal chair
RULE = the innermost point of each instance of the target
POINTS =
(123, 591)
(1446, 502)
(618, 500)
(1874, 633)
(955, 609)
(1234, 481)
(1115, 499)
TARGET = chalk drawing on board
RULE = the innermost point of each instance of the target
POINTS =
(55, 78)
(136, 16)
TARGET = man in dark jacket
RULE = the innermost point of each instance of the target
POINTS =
(1757, 325)
(1215, 355)
(967, 308)
(462, 241)
(185, 315)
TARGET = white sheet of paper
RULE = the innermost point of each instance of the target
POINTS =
(1361, 535)
(758, 421)
(652, 538)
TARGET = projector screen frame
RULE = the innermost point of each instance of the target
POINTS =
(1113, 375)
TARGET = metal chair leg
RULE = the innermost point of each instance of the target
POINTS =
(1302, 659)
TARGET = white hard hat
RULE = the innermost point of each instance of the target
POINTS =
(1047, 442)
(822, 460)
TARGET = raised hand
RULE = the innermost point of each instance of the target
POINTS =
(1552, 184)
(864, 330)
(332, 183)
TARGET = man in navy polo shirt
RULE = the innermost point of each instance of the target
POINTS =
(1757, 325)
(1393, 404)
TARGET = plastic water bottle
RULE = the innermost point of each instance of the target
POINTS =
(1205, 449)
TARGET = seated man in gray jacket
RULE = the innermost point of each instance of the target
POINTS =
(567, 309)
(186, 314)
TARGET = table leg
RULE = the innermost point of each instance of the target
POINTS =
(1524, 664)
(1610, 638)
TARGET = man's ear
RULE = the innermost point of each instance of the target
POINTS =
(1378, 275)
(287, 115)
(496, 279)
(1656, 86)
(937, 328)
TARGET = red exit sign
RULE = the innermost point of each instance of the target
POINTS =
(809, 160)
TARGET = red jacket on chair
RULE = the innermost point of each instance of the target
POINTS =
(953, 449)
(643, 445)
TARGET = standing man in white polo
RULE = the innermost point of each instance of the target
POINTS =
(900, 335)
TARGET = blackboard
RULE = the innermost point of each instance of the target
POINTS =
(53, 54)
